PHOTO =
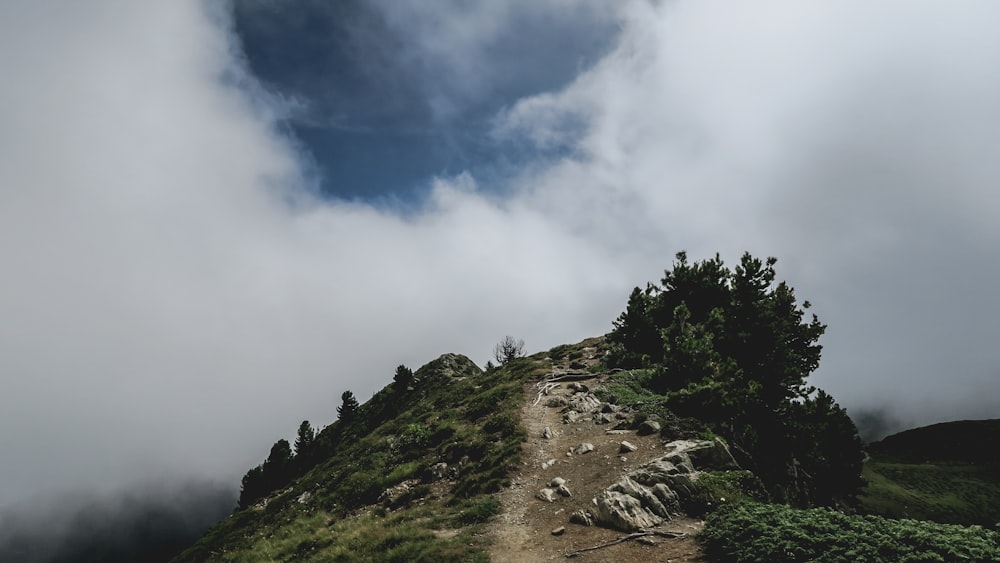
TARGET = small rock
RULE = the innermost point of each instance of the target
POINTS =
(583, 448)
(547, 494)
(627, 447)
(303, 497)
(564, 491)
(547, 433)
(559, 531)
(648, 427)
(556, 402)
(556, 481)
(615, 432)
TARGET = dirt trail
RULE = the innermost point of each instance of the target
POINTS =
(523, 532)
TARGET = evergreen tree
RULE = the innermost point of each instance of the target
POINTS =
(252, 487)
(734, 347)
(348, 408)
(278, 465)
(402, 380)
(635, 341)
(305, 442)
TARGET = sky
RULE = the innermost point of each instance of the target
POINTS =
(215, 218)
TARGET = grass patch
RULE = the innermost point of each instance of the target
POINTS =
(455, 414)
(947, 493)
(752, 532)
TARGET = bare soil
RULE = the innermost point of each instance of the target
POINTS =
(523, 532)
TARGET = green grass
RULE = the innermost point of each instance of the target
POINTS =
(753, 532)
(947, 493)
(456, 414)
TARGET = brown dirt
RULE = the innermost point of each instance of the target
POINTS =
(523, 531)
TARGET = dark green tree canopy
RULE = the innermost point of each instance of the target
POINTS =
(304, 439)
(348, 407)
(734, 347)
(402, 379)
(706, 320)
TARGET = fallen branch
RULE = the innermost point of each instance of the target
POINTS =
(544, 390)
(623, 539)
(572, 376)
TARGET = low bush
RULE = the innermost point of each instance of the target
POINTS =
(749, 532)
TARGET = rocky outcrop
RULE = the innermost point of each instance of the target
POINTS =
(654, 492)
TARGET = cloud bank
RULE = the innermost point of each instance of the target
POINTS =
(175, 296)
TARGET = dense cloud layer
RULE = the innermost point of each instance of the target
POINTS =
(175, 298)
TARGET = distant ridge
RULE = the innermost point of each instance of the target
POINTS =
(962, 441)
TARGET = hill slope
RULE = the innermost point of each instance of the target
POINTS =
(948, 472)
(409, 478)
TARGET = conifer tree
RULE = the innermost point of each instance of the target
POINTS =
(348, 408)
(402, 380)
(304, 440)
(734, 348)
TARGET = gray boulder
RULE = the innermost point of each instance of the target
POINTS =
(623, 512)
(653, 492)
(648, 427)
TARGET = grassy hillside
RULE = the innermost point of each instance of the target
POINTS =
(380, 490)
(938, 485)
(947, 472)
(751, 532)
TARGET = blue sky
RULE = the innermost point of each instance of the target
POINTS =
(215, 221)
(382, 119)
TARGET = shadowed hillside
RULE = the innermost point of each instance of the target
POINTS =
(948, 472)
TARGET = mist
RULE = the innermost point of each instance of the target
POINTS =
(148, 523)
(179, 290)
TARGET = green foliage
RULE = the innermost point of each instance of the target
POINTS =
(335, 510)
(478, 511)
(305, 446)
(348, 407)
(734, 348)
(751, 532)
(402, 379)
(947, 492)
(717, 488)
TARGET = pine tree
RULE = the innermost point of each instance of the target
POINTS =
(402, 380)
(304, 440)
(348, 408)
(734, 348)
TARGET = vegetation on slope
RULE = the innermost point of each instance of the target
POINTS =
(751, 532)
(734, 348)
(372, 485)
(948, 472)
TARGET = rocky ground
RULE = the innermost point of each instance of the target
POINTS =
(534, 529)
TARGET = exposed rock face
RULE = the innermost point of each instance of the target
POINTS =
(448, 365)
(654, 492)
(622, 512)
